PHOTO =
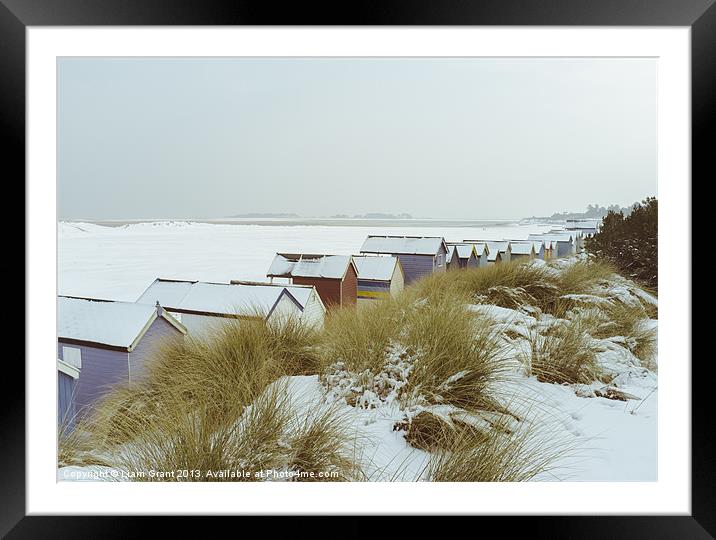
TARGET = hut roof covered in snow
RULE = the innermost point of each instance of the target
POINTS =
(538, 244)
(302, 293)
(404, 245)
(168, 292)
(450, 251)
(492, 245)
(575, 233)
(549, 244)
(227, 299)
(375, 268)
(108, 323)
(310, 266)
(521, 248)
(480, 246)
(464, 250)
(551, 236)
(216, 298)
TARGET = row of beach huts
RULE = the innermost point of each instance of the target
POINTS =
(102, 343)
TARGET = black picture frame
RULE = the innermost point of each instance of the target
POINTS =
(699, 15)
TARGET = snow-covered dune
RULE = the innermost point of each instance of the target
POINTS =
(608, 439)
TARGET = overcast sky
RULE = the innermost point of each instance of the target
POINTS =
(473, 138)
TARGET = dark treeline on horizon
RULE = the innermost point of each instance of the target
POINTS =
(593, 211)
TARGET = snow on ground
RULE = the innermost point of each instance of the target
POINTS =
(604, 439)
(118, 263)
(608, 440)
(383, 452)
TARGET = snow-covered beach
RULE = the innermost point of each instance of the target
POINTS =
(610, 440)
(118, 263)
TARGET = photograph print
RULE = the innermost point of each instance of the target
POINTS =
(357, 269)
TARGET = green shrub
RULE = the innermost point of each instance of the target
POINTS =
(630, 242)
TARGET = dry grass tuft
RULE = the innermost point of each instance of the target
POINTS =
(628, 321)
(458, 355)
(76, 447)
(454, 354)
(581, 276)
(430, 432)
(360, 338)
(518, 283)
(190, 436)
(318, 450)
(495, 456)
(427, 431)
(564, 355)
(236, 357)
(294, 347)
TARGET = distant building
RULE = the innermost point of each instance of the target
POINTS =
(522, 251)
(419, 255)
(106, 343)
(466, 254)
(588, 227)
(202, 306)
(334, 276)
(378, 277)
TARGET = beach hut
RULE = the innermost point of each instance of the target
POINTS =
(504, 247)
(334, 276)
(67, 375)
(562, 244)
(202, 306)
(482, 252)
(539, 246)
(451, 258)
(466, 255)
(418, 255)
(313, 312)
(378, 277)
(522, 251)
(494, 257)
(539, 249)
(494, 247)
(550, 248)
(107, 343)
(576, 236)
